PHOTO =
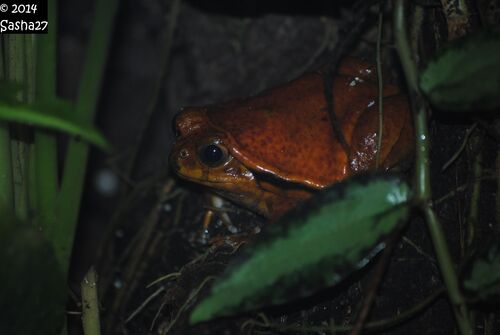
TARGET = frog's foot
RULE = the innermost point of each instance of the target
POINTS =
(207, 219)
(217, 209)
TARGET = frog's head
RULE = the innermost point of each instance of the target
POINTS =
(203, 154)
(200, 150)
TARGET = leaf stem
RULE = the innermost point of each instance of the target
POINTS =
(422, 173)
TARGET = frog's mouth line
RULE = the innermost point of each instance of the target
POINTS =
(201, 181)
(284, 186)
(265, 182)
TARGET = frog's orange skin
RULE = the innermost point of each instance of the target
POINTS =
(281, 145)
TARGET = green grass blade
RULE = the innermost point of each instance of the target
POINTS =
(68, 201)
(312, 247)
(45, 155)
(16, 68)
(53, 119)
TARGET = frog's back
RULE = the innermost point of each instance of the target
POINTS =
(287, 131)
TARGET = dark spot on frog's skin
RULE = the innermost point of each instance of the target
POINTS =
(324, 119)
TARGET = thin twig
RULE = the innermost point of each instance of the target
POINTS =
(144, 304)
(325, 42)
(169, 276)
(130, 275)
(459, 189)
(419, 250)
(166, 52)
(477, 167)
(372, 289)
(378, 325)
(186, 304)
(380, 86)
(460, 149)
(354, 28)
(497, 176)
(106, 248)
(157, 315)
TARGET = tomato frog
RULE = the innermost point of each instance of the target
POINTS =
(273, 150)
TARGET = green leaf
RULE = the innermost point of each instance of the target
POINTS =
(466, 76)
(55, 115)
(314, 246)
(482, 278)
(32, 288)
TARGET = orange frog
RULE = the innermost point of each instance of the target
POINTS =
(271, 151)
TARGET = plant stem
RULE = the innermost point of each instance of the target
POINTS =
(16, 70)
(477, 169)
(30, 86)
(380, 85)
(422, 173)
(69, 198)
(90, 304)
(448, 272)
(45, 155)
(6, 181)
(496, 228)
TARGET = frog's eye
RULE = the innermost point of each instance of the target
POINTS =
(213, 155)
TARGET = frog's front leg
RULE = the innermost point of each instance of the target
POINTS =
(216, 208)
